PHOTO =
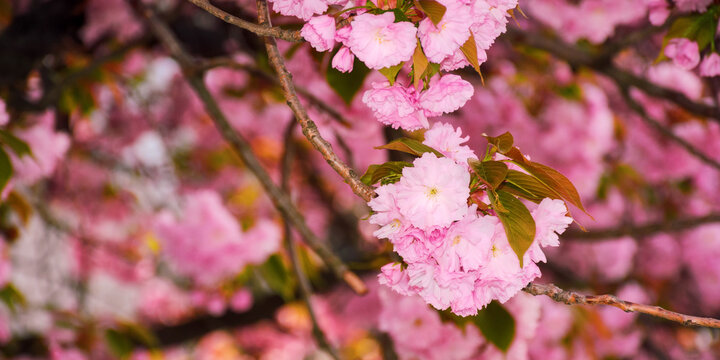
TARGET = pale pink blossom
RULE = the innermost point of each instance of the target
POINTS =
(396, 106)
(320, 32)
(441, 41)
(48, 149)
(241, 300)
(392, 276)
(303, 9)
(468, 242)
(448, 140)
(379, 42)
(433, 192)
(445, 95)
(683, 52)
(386, 213)
(4, 117)
(550, 221)
(658, 11)
(710, 65)
(161, 301)
(343, 60)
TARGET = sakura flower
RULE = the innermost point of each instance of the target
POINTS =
(467, 244)
(394, 277)
(303, 9)
(433, 192)
(550, 220)
(387, 214)
(443, 40)
(396, 106)
(448, 141)
(683, 52)
(320, 32)
(710, 65)
(48, 148)
(4, 117)
(344, 59)
(379, 42)
(445, 95)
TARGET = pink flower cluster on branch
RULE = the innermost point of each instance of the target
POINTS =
(455, 256)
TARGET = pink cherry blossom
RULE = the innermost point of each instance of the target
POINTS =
(320, 32)
(710, 65)
(448, 141)
(48, 149)
(396, 106)
(344, 60)
(683, 52)
(303, 9)
(433, 192)
(468, 242)
(379, 42)
(4, 117)
(445, 95)
(441, 41)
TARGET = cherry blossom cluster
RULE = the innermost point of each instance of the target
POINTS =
(386, 34)
(453, 256)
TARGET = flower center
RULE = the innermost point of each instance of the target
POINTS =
(432, 193)
(457, 240)
(494, 251)
(379, 38)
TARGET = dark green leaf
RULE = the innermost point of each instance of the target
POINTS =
(119, 344)
(381, 173)
(526, 186)
(347, 85)
(496, 324)
(503, 142)
(433, 9)
(391, 72)
(277, 276)
(516, 219)
(493, 172)
(18, 146)
(410, 146)
(11, 297)
(6, 168)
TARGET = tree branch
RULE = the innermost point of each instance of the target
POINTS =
(242, 147)
(290, 246)
(275, 32)
(574, 298)
(642, 230)
(309, 128)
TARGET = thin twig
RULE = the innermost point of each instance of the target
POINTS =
(574, 298)
(290, 246)
(643, 230)
(275, 32)
(242, 147)
(309, 128)
(664, 131)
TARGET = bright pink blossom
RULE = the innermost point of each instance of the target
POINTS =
(433, 192)
(710, 65)
(343, 60)
(448, 141)
(320, 32)
(445, 95)
(683, 52)
(441, 41)
(379, 42)
(48, 148)
(303, 9)
(396, 106)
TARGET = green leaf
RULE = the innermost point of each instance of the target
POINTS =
(496, 324)
(388, 172)
(18, 146)
(526, 186)
(502, 142)
(12, 297)
(6, 168)
(433, 9)
(140, 333)
(410, 146)
(391, 72)
(119, 344)
(700, 28)
(516, 219)
(551, 178)
(277, 276)
(493, 172)
(347, 85)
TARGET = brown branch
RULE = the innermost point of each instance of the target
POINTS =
(574, 298)
(291, 247)
(639, 231)
(309, 128)
(243, 149)
(275, 32)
